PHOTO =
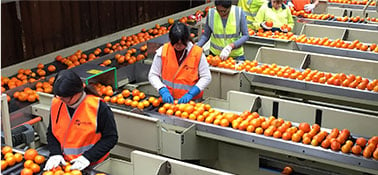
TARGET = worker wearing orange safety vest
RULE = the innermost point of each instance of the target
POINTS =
(179, 69)
(305, 5)
(82, 129)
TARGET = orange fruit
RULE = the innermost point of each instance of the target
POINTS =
(51, 68)
(30, 154)
(135, 92)
(146, 103)
(107, 99)
(287, 170)
(259, 130)
(59, 172)
(375, 154)
(141, 106)
(335, 146)
(156, 103)
(18, 157)
(162, 110)
(10, 160)
(48, 173)
(8, 155)
(76, 172)
(7, 149)
(126, 93)
(40, 66)
(171, 21)
(361, 141)
(305, 127)
(4, 165)
(67, 168)
(142, 95)
(28, 163)
(39, 159)
(26, 171)
(225, 123)
(286, 136)
(35, 168)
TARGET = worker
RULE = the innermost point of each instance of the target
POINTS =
(277, 13)
(179, 69)
(250, 8)
(226, 27)
(305, 5)
(82, 129)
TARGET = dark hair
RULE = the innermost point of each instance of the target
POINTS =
(179, 32)
(67, 83)
(223, 3)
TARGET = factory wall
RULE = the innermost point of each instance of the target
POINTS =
(33, 28)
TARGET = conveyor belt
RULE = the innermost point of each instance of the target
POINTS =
(280, 144)
(333, 22)
(310, 86)
(351, 6)
(338, 51)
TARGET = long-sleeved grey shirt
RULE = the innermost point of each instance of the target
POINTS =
(244, 30)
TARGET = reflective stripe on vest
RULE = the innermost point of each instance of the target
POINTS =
(179, 79)
(78, 134)
(221, 37)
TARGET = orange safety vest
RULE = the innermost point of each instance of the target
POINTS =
(299, 4)
(179, 79)
(78, 134)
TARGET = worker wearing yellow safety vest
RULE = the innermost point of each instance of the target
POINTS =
(179, 69)
(227, 30)
(250, 8)
(82, 129)
(278, 13)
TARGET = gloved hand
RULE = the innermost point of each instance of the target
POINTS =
(309, 7)
(264, 26)
(188, 96)
(54, 161)
(79, 163)
(225, 52)
(290, 4)
(285, 30)
(166, 95)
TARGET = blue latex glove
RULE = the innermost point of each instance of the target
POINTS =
(188, 96)
(166, 95)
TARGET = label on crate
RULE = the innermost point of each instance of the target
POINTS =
(94, 71)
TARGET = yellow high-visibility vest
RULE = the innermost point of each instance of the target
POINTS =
(221, 37)
(250, 8)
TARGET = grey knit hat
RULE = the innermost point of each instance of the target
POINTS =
(67, 83)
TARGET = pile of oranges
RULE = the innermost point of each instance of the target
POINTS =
(215, 61)
(364, 2)
(26, 76)
(9, 158)
(78, 58)
(276, 34)
(33, 162)
(325, 41)
(26, 95)
(275, 127)
(131, 57)
(32, 159)
(103, 90)
(135, 99)
(335, 79)
(62, 170)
